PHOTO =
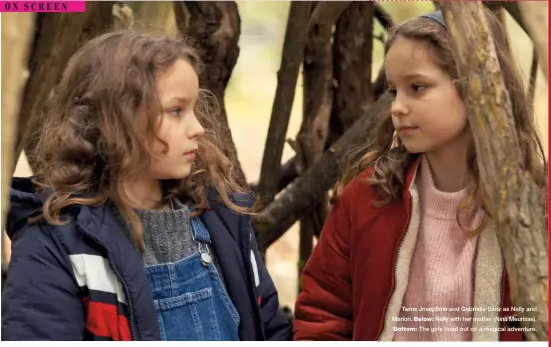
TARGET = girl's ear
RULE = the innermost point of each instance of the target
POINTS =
(459, 84)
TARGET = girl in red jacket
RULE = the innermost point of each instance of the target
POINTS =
(409, 250)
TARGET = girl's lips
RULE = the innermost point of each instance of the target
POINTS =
(191, 154)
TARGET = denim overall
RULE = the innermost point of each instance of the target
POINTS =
(191, 301)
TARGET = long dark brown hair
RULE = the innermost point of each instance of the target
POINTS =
(389, 158)
(92, 143)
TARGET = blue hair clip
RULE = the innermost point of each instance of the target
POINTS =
(435, 16)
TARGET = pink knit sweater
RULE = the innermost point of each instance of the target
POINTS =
(442, 268)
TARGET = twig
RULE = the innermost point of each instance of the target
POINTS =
(380, 38)
(533, 75)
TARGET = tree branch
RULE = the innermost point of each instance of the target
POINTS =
(379, 85)
(289, 171)
(515, 198)
(535, 15)
(383, 16)
(293, 49)
(324, 16)
(215, 26)
(511, 7)
(533, 76)
(302, 194)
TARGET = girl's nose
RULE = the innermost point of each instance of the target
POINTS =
(196, 129)
(399, 107)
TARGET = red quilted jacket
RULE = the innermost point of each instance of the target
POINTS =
(353, 286)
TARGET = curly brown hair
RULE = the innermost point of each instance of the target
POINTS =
(92, 143)
(388, 157)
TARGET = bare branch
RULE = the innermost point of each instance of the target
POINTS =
(536, 17)
(302, 194)
(325, 15)
(511, 7)
(383, 16)
(293, 49)
(533, 75)
(379, 85)
(289, 171)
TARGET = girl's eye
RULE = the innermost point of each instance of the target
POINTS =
(176, 112)
(391, 91)
(418, 87)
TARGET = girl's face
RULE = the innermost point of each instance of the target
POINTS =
(428, 113)
(178, 90)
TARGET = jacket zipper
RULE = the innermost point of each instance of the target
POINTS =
(410, 208)
(119, 277)
(395, 273)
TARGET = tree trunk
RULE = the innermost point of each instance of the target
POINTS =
(352, 66)
(536, 17)
(304, 192)
(57, 37)
(17, 30)
(318, 98)
(215, 26)
(291, 57)
(516, 200)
